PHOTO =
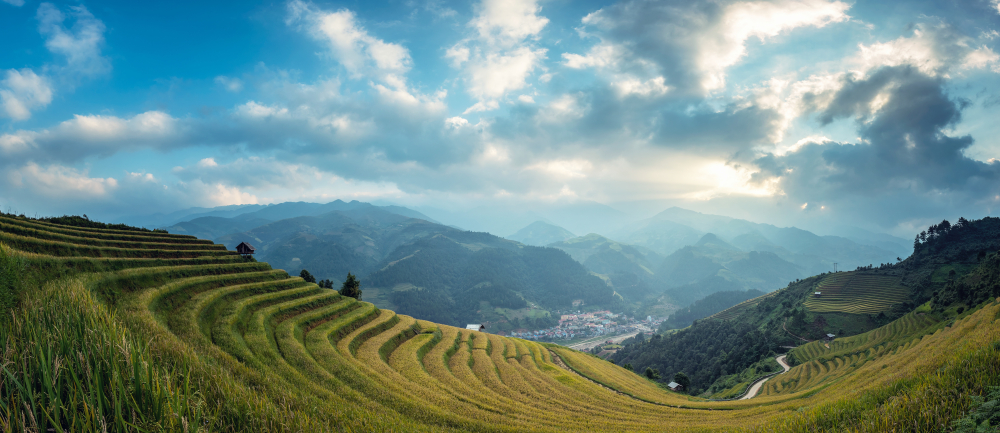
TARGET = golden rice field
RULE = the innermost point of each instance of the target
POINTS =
(157, 332)
(852, 292)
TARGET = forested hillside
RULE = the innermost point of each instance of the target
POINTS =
(464, 273)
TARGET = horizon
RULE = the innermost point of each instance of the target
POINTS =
(797, 113)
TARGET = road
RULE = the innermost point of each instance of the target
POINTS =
(756, 387)
(589, 344)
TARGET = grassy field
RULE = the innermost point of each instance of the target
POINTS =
(136, 331)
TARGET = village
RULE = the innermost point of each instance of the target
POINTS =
(588, 325)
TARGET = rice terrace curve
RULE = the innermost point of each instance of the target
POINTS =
(204, 339)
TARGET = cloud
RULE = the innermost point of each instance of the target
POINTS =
(933, 48)
(80, 44)
(17, 3)
(91, 135)
(253, 172)
(502, 54)
(904, 149)
(349, 43)
(508, 22)
(23, 91)
(690, 45)
(234, 85)
(59, 182)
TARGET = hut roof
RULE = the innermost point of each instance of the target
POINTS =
(475, 327)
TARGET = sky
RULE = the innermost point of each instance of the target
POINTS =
(814, 113)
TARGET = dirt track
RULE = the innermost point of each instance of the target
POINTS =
(756, 386)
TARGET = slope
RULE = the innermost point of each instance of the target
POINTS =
(216, 343)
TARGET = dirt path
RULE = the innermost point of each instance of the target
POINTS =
(760, 383)
(790, 332)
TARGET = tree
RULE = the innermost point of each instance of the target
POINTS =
(682, 379)
(628, 366)
(351, 287)
(652, 373)
(307, 276)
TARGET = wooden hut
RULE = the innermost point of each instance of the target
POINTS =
(245, 249)
(475, 327)
(674, 386)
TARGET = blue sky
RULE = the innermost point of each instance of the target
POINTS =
(805, 112)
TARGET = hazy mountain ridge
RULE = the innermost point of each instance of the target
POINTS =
(541, 233)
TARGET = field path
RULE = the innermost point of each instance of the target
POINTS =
(790, 332)
(756, 386)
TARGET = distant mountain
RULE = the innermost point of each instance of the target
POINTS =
(605, 256)
(417, 267)
(508, 217)
(540, 233)
(245, 214)
(456, 277)
(712, 265)
(674, 228)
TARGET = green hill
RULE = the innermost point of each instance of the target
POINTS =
(126, 330)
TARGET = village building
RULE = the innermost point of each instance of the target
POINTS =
(817, 294)
(830, 337)
(476, 327)
(674, 386)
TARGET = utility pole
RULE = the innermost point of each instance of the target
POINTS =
(835, 267)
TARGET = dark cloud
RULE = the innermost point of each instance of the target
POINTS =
(905, 158)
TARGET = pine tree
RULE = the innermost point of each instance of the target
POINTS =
(307, 276)
(351, 287)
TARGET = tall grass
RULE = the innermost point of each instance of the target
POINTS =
(69, 365)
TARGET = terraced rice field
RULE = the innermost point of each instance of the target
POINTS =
(819, 364)
(270, 352)
(855, 293)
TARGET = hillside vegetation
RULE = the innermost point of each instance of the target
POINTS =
(114, 330)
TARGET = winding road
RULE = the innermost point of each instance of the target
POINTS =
(756, 386)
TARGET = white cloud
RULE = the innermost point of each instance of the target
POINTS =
(632, 86)
(564, 168)
(508, 22)
(451, 122)
(254, 109)
(56, 181)
(231, 84)
(563, 108)
(17, 3)
(934, 49)
(350, 43)
(482, 106)
(80, 44)
(23, 91)
(493, 75)
(503, 53)
(527, 99)
(982, 58)
(458, 55)
(91, 135)
(691, 45)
